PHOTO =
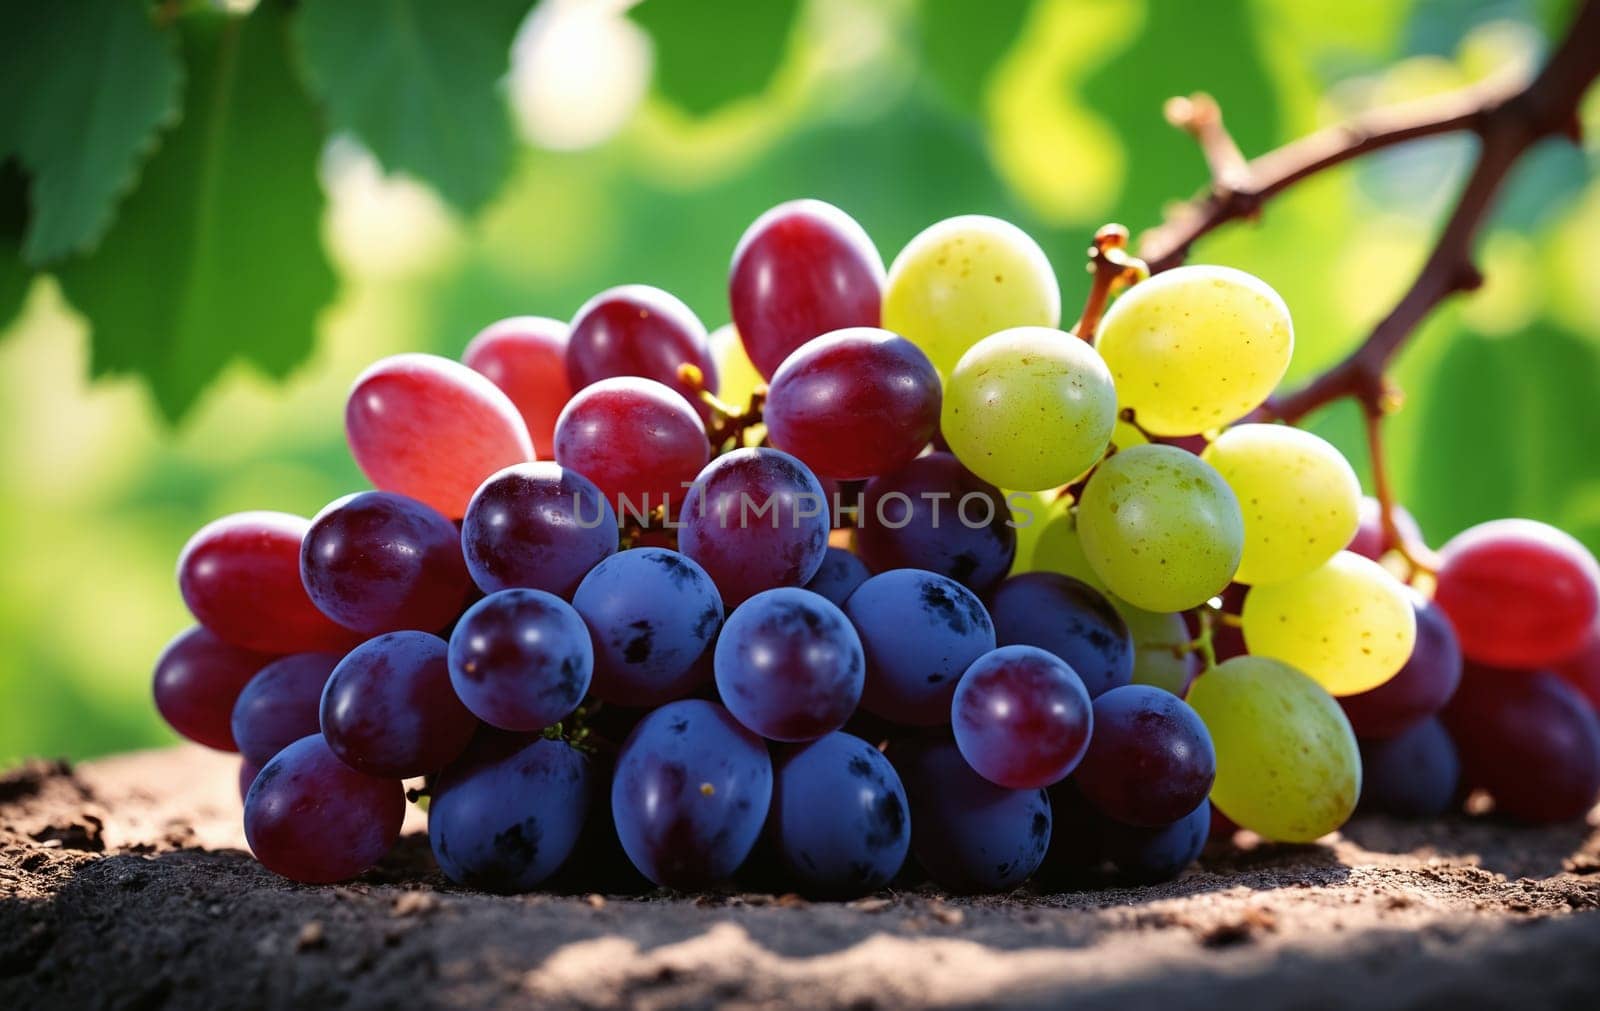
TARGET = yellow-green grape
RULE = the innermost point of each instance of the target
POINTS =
(1161, 528)
(1028, 512)
(1287, 764)
(737, 378)
(1346, 623)
(1029, 408)
(1126, 436)
(1196, 347)
(1301, 499)
(964, 278)
(1160, 648)
(1058, 548)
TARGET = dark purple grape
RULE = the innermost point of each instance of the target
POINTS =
(248, 771)
(967, 833)
(537, 526)
(1022, 717)
(1149, 855)
(838, 575)
(379, 562)
(854, 403)
(637, 330)
(860, 843)
(652, 614)
(935, 514)
(1071, 619)
(280, 703)
(310, 817)
(389, 710)
(502, 818)
(755, 519)
(197, 681)
(1150, 761)
(789, 665)
(690, 794)
(1529, 740)
(1583, 670)
(521, 659)
(1420, 689)
(802, 269)
(1414, 775)
(921, 631)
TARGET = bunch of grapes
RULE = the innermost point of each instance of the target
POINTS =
(890, 566)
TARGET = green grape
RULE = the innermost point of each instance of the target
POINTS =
(1161, 528)
(1057, 547)
(1287, 764)
(1196, 347)
(1028, 512)
(1029, 408)
(1300, 497)
(1160, 640)
(737, 378)
(964, 278)
(1347, 623)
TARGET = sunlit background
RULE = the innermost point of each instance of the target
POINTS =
(615, 182)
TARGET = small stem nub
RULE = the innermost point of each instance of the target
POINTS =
(1113, 267)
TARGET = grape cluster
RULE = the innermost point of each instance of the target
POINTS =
(890, 566)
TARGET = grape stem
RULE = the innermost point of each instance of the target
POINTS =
(1112, 268)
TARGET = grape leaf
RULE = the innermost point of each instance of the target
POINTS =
(217, 253)
(99, 81)
(709, 52)
(418, 82)
(962, 40)
(14, 275)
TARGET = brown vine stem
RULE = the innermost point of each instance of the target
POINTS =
(1112, 267)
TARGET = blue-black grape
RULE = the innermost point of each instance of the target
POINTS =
(197, 681)
(935, 514)
(967, 833)
(838, 575)
(310, 817)
(521, 659)
(1423, 686)
(539, 526)
(789, 665)
(840, 816)
(1413, 775)
(1150, 760)
(1069, 618)
(1022, 717)
(389, 710)
(1146, 855)
(279, 705)
(503, 818)
(690, 794)
(921, 631)
(652, 614)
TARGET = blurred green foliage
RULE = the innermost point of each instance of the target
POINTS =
(250, 205)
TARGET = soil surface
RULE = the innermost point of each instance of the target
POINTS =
(124, 883)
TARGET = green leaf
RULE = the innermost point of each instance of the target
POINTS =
(89, 84)
(218, 253)
(15, 278)
(962, 40)
(710, 52)
(418, 82)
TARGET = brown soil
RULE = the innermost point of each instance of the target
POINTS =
(123, 884)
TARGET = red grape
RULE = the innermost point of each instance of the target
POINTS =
(198, 679)
(433, 429)
(1520, 593)
(1370, 539)
(526, 356)
(1022, 717)
(854, 403)
(801, 269)
(1583, 670)
(636, 439)
(1423, 685)
(637, 330)
(240, 576)
(1528, 739)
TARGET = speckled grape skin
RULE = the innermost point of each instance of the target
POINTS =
(539, 526)
(838, 576)
(1348, 624)
(1287, 764)
(1196, 347)
(389, 710)
(1299, 496)
(755, 519)
(1029, 408)
(789, 665)
(504, 819)
(920, 631)
(638, 330)
(690, 794)
(1151, 760)
(1022, 717)
(652, 614)
(902, 534)
(967, 833)
(859, 846)
(1416, 774)
(1424, 685)
(1161, 528)
(1069, 618)
(279, 704)
(521, 659)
